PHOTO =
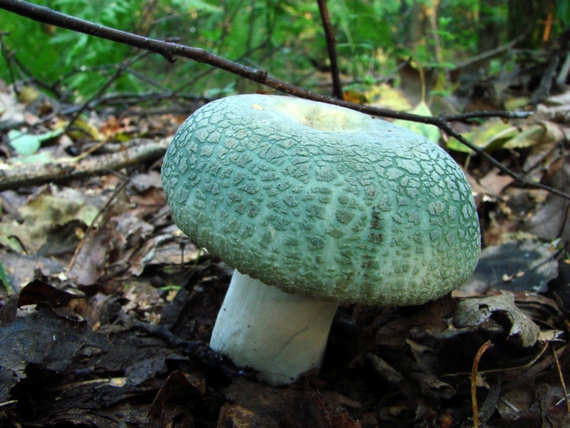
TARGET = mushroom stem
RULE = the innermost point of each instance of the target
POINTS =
(279, 334)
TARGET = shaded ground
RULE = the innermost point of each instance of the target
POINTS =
(107, 308)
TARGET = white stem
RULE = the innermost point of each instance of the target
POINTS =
(279, 334)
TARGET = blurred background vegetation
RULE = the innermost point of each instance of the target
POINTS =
(285, 37)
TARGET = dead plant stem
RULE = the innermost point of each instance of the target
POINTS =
(474, 371)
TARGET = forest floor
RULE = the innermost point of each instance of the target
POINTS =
(107, 308)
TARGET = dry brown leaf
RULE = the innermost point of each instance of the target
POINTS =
(540, 133)
(495, 181)
(476, 311)
(257, 405)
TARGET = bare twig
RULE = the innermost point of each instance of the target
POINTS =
(548, 76)
(120, 70)
(489, 54)
(561, 377)
(482, 114)
(206, 72)
(7, 57)
(172, 50)
(520, 180)
(544, 362)
(331, 47)
(14, 65)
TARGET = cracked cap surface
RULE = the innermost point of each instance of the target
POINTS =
(322, 201)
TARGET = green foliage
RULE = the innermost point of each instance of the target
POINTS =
(4, 281)
(284, 37)
(54, 53)
(563, 12)
(27, 144)
(431, 132)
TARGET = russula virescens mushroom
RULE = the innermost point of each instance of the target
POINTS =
(313, 205)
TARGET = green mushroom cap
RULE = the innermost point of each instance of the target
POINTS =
(322, 201)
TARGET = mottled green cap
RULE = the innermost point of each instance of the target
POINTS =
(322, 201)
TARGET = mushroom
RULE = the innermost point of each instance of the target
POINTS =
(313, 205)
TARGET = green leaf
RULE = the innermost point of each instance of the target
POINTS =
(431, 132)
(563, 11)
(4, 279)
(490, 136)
(543, 132)
(385, 96)
(26, 144)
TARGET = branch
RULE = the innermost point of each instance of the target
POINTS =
(171, 50)
(34, 175)
(118, 73)
(331, 47)
(481, 114)
(489, 54)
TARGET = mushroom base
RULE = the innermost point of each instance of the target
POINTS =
(279, 334)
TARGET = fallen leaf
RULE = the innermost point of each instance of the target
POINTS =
(431, 132)
(491, 135)
(513, 403)
(551, 220)
(263, 406)
(475, 311)
(91, 260)
(42, 339)
(11, 111)
(559, 99)
(41, 292)
(529, 266)
(43, 213)
(27, 144)
(178, 384)
(543, 132)
(236, 416)
(385, 96)
(384, 370)
(22, 269)
(495, 181)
